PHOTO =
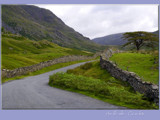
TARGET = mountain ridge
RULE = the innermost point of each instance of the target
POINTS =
(113, 39)
(38, 24)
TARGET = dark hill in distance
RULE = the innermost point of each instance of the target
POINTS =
(113, 39)
(41, 24)
(156, 32)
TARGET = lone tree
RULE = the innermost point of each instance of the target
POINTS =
(140, 39)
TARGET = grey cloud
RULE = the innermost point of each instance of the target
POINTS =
(100, 20)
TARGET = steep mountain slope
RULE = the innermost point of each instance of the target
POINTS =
(114, 39)
(38, 24)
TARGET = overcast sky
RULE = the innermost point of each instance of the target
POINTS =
(100, 20)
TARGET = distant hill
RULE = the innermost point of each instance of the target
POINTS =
(114, 39)
(41, 24)
(156, 32)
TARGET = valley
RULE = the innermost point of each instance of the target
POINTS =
(48, 65)
(40, 24)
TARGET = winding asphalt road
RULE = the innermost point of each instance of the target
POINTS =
(34, 93)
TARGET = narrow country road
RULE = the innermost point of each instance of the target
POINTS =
(34, 93)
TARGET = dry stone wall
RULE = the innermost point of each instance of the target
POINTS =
(25, 70)
(148, 89)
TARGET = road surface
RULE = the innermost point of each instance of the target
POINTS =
(34, 93)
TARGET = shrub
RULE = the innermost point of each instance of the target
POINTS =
(117, 94)
(86, 66)
(99, 82)
(82, 83)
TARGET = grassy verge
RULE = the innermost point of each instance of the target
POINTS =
(143, 65)
(91, 80)
(46, 69)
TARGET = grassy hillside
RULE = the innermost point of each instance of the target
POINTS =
(18, 51)
(91, 80)
(144, 65)
(37, 24)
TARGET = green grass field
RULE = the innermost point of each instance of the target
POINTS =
(142, 64)
(91, 80)
(18, 51)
